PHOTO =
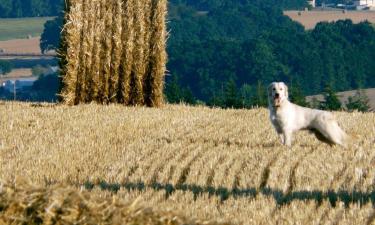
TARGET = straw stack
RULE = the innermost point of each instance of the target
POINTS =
(23, 203)
(114, 51)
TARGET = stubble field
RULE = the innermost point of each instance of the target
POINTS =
(19, 28)
(213, 164)
(310, 18)
(21, 46)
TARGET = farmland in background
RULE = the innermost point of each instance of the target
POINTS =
(208, 163)
(343, 96)
(21, 46)
(21, 27)
(20, 38)
(310, 18)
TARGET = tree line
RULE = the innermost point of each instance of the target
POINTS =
(224, 52)
(242, 46)
(30, 8)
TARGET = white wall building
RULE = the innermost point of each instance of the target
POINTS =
(369, 3)
(312, 3)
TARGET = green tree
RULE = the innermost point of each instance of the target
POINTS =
(296, 96)
(188, 97)
(38, 70)
(5, 67)
(260, 97)
(231, 95)
(177, 94)
(50, 38)
(265, 64)
(30, 8)
(173, 90)
(17, 9)
(331, 101)
(38, 7)
(45, 88)
(5, 8)
(358, 102)
(246, 93)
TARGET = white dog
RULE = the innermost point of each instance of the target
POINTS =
(287, 118)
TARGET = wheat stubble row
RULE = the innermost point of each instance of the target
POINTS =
(212, 163)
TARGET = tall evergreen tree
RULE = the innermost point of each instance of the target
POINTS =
(173, 90)
(246, 93)
(231, 95)
(331, 101)
(296, 96)
(260, 97)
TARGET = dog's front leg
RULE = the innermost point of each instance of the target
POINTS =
(287, 136)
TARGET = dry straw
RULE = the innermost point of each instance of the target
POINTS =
(114, 51)
(22, 203)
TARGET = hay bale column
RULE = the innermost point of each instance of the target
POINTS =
(114, 51)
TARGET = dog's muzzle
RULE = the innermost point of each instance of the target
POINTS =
(276, 100)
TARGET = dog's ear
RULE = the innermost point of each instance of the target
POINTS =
(286, 92)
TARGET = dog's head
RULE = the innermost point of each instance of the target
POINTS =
(277, 93)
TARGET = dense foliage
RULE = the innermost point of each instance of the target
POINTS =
(30, 8)
(5, 67)
(51, 36)
(251, 44)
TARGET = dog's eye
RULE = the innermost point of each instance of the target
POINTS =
(281, 89)
(274, 89)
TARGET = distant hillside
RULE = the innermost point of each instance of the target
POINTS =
(310, 18)
(343, 96)
(225, 53)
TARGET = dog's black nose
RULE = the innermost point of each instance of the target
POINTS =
(277, 95)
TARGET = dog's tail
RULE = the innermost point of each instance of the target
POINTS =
(337, 135)
(331, 130)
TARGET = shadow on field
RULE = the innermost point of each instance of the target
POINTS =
(281, 198)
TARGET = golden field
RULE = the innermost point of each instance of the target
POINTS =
(212, 164)
(310, 18)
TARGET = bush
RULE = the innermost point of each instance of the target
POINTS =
(39, 70)
(358, 102)
(331, 101)
(5, 67)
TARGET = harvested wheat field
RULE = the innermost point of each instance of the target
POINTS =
(210, 164)
(310, 18)
(18, 73)
(20, 46)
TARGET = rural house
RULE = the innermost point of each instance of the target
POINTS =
(364, 3)
(312, 3)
